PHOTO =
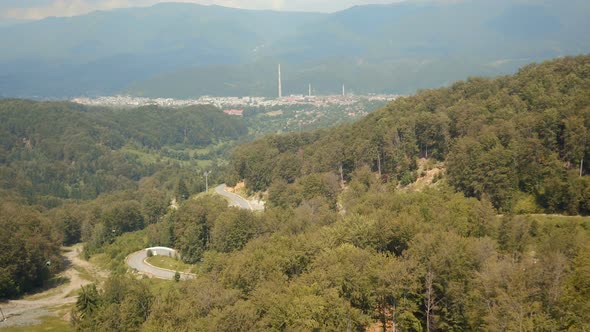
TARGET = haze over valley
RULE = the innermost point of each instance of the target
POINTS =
(176, 50)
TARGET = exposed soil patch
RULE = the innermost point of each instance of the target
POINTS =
(30, 309)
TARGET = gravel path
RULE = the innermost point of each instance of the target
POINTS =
(28, 310)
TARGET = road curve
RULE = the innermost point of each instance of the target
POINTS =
(137, 261)
(237, 200)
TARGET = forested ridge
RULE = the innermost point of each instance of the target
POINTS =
(67, 150)
(70, 173)
(519, 141)
(341, 248)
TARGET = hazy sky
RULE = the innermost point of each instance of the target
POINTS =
(36, 9)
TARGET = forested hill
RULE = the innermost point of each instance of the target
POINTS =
(67, 150)
(517, 141)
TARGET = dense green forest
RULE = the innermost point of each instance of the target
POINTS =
(519, 141)
(66, 150)
(70, 173)
(419, 261)
(375, 253)
(28, 241)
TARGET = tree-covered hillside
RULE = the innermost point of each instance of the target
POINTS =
(30, 243)
(368, 256)
(71, 151)
(521, 141)
(70, 173)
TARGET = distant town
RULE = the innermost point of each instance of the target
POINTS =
(234, 102)
(268, 115)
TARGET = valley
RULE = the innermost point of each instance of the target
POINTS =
(416, 166)
(359, 216)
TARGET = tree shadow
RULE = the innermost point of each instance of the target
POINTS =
(55, 281)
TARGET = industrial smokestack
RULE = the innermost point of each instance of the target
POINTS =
(343, 91)
(280, 83)
(310, 89)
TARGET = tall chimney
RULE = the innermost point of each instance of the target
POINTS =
(280, 83)
(310, 89)
(343, 91)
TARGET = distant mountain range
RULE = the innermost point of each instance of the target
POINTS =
(185, 50)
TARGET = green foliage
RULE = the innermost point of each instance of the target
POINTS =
(106, 219)
(122, 305)
(577, 291)
(192, 225)
(170, 262)
(340, 247)
(123, 217)
(154, 205)
(324, 187)
(95, 175)
(233, 229)
(182, 193)
(27, 242)
(502, 139)
(71, 151)
(291, 118)
(525, 204)
(71, 223)
(160, 234)
(416, 260)
(111, 255)
(87, 302)
(283, 195)
(489, 172)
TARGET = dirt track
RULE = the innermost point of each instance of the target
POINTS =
(28, 310)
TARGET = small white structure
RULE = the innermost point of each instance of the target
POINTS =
(162, 251)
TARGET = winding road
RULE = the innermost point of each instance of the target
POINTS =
(31, 310)
(137, 259)
(239, 201)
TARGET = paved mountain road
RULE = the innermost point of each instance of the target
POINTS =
(137, 259)
(239, 201)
